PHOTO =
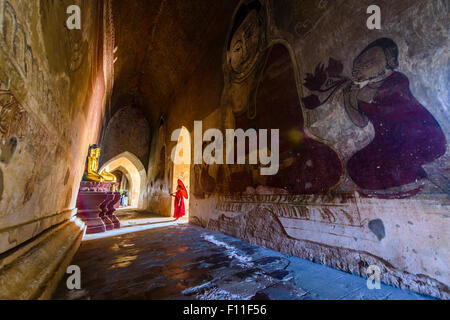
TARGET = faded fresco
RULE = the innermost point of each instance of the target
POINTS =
(364, 131)
(260, 78)
(406, 135)
(363, 162)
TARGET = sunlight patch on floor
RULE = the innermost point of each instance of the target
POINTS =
(131, 229)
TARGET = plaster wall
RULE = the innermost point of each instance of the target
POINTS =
(53, 83)
(313, 207)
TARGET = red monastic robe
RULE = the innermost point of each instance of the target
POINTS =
(179, 205)
(406, 137)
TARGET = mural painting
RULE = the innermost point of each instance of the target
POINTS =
(356, 144)
(364, 132)
(406, 135)
(262, 77)
(16, 127)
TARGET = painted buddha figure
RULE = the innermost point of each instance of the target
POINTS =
(91, 173)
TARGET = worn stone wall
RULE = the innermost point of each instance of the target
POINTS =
(158, 178)
(344, 195)
(199, 69)
(128, 130)
(52, 89)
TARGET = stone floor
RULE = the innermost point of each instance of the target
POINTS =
(167, 260)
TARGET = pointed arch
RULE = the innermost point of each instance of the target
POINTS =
(135, 173)
(181, 160)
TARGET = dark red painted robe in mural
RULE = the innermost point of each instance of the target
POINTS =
(406, 137)
(179, 209)
(315, 167)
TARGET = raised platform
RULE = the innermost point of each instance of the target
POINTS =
(96, 205)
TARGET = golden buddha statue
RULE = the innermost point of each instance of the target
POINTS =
(107, 176)
(91, 173)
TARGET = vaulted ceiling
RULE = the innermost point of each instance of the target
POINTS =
(161, 45)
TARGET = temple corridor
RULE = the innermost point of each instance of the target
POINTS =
(181, 261)
(224, 149)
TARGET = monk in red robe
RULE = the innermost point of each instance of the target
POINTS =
(180, 210)
(406, 134)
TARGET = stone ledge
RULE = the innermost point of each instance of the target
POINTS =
(34, 270)
(11, 237)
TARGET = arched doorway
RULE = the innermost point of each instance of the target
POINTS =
(134, 171)
(181, 157)
(123, 178)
